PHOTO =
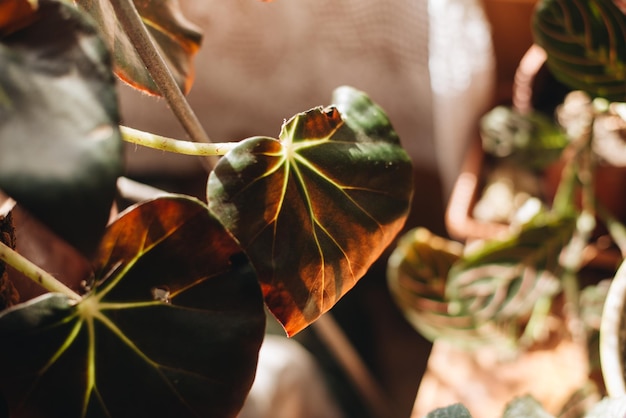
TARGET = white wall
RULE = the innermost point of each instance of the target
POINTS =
(260, 63)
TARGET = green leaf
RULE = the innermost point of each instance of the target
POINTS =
(177, 39)
(505, 279)
(525, 407)
(171, 328)
(529, 139)
(417, 272)
(586, 44)
(60, 146)
(452, 411)
(314, 209)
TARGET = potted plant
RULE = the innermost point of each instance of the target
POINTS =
(169, 318)
(501, 286)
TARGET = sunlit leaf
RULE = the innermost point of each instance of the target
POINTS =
(60, 146)
(315, 208)
(506, 278)
(177, 39)
(586, 44)
(172, 327)
(417, 272)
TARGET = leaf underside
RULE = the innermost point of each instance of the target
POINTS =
(60, 146)
(172, 327)
(586, 44)
(315, 208)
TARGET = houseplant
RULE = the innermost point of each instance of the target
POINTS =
(505, 288)
(170, 320)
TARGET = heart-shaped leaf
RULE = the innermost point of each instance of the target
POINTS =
(314, 209)
(505, 279)
(172, 327)
(177, 39)
(60, 146)
(586, 44)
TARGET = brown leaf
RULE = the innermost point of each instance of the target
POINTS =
(177, 39)
(15, 14)
(316, 207)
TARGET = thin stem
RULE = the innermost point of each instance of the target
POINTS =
(578, 172)
(164, 143)
(563, 202)
(140, 37)
(536, 327)
(349, 359)
(35, 273)
(617, 230)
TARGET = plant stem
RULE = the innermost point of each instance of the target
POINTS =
(140, 37)
(35, 273)
(164, 143)
(536, 327)
(577, 176)
(617, 230)
(563, 202)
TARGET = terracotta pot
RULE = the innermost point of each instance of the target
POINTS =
(534, 89)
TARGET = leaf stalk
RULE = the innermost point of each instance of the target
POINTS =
(35, 273)
(134, 27)
(178, 146)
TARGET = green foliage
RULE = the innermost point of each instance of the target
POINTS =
(479, 296)
(525, 407)
(586, 44)
(171, 322)
(506, 278)
(452, 411)
(60, 147)
(528, 407)
(532, 140)
(171, 326)
(417, 275)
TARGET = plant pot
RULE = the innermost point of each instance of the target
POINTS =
(534, 89)
(613, 336)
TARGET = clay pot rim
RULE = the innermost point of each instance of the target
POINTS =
(611, 335)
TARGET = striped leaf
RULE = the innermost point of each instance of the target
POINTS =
(586, 44)
(506, 278)
(417, 272)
